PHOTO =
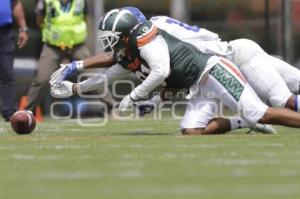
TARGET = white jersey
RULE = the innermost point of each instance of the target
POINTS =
(183, 30)
(204, 40)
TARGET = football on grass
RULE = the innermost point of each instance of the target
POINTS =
(22, 122)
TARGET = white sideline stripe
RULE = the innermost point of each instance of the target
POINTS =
(46, 157)
(267, 144)
(252, 190)
(242, 162)
(61, 175)
(7, 147)
(206, 146)
(63, 147)
(24, 157)
(57, 175)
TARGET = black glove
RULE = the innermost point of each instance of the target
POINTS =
(145, 107)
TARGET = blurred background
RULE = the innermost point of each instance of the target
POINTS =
(274, 24)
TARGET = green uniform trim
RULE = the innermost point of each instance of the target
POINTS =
(229, 81)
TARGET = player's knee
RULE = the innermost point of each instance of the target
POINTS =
(267, 117)
(293, 103)
(193, 131)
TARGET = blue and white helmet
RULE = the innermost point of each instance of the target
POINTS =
(137, 13)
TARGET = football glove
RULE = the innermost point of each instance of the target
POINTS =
(146, 107)
(126, 103)
(65, 71)
(62, 90)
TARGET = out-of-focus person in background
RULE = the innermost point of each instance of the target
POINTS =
(64, 32)
(8, 10)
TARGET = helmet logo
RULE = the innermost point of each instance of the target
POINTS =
(145, 29)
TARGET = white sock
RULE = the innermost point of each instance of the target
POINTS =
(238, 123)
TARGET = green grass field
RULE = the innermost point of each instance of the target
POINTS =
(146, 159)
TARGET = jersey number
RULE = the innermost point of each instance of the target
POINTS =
(184, 25)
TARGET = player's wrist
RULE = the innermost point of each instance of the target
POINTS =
(24, 29)
(79, 65)
(133, 96)
(74, 89)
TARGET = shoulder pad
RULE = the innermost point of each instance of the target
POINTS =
(145, 33)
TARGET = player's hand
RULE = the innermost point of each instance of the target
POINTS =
(126, 103)
(146, 107)
(62, 90)
(22, 39)
(65, 71)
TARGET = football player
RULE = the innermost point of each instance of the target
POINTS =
(274, 80)
(158, 58)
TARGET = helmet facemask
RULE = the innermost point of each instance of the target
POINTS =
(109, 40)
(114, 27)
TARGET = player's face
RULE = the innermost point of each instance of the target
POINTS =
(108, 40)
(119, 49)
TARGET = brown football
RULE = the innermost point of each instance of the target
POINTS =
(22, 122)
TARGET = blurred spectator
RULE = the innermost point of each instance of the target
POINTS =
(64, 32)
(8, 9)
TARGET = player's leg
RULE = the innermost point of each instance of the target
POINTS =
(291, 76)
(7, 77)
(202, 113)
(281, 116)
(198, 114)
(199, 120)
(202, 117)
(7, 85)
(49, 61)
(255, 65)
(226, 81)
(289, 73)
(214, 127)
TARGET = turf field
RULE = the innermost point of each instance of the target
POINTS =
(146, 159)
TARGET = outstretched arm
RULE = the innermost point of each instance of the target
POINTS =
(98, 82)
(102, 60)
(102, 80)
